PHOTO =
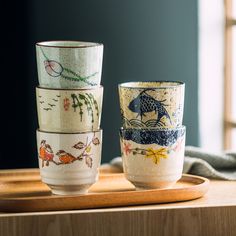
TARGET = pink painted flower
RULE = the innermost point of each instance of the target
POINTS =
(96, 141)
(127, 148)
(178, 145)
(66, 104)
(53, 68)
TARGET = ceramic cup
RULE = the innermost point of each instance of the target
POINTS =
(153, 158)
(69, 110)
(69, 64)
(69, 162)
(152, 104)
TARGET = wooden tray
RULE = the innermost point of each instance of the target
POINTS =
(23, 191)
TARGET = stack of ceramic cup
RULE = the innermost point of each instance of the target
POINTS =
(69, 104)
(152, 136)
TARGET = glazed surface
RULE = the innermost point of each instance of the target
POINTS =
(69, 160)
(151, 107)
(65, 65)
(160, 137)
(152, 84)
(153, 165)
(67, 44)
(69, 110)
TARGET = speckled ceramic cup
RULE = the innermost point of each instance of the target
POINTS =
(153, 158)
(152, 104)
(69, 110)
(69, 163)
(69, 64)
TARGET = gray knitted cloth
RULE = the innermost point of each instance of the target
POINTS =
(200, 162)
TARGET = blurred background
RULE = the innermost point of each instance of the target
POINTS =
(143, 40)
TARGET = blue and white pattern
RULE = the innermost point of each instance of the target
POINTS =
(160, 137)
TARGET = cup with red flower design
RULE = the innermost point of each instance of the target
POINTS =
(152, 158)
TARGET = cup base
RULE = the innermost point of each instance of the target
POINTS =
(145, 182)
(155, 185)
(69, 189)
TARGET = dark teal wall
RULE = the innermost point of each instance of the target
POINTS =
(144, 40)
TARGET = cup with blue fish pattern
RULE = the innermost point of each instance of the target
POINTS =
(152, 158)
(158, 104)
(69, 64)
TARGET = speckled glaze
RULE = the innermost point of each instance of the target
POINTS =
(153, 158)
(69, 163)
(151, 104)
(69, 110)
(69, 64)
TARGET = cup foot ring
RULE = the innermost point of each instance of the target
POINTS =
(155, 185)
(69, 189)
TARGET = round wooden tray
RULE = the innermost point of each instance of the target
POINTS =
(23, 191)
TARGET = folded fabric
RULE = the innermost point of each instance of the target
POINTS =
(201, 162)
(212, 165)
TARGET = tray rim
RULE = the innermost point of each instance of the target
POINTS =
(204, 182)
(199, 188)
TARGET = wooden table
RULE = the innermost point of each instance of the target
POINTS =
(214, 214)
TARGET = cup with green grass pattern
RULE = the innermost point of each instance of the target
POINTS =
(69, 64)
(69, 110)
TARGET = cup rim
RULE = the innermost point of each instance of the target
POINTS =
(47, 44)
(68, 133)
(127, 84)
(153, 129)
(69, 89)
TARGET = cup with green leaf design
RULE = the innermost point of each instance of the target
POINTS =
(156, 104)
(69, 64)
(152, 158)
(69, 162)
(69, 110)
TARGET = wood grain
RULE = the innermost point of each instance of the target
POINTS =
(167, 222)
(23, 193)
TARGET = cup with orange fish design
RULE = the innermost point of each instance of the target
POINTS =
(156, 104)
(69, 162)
